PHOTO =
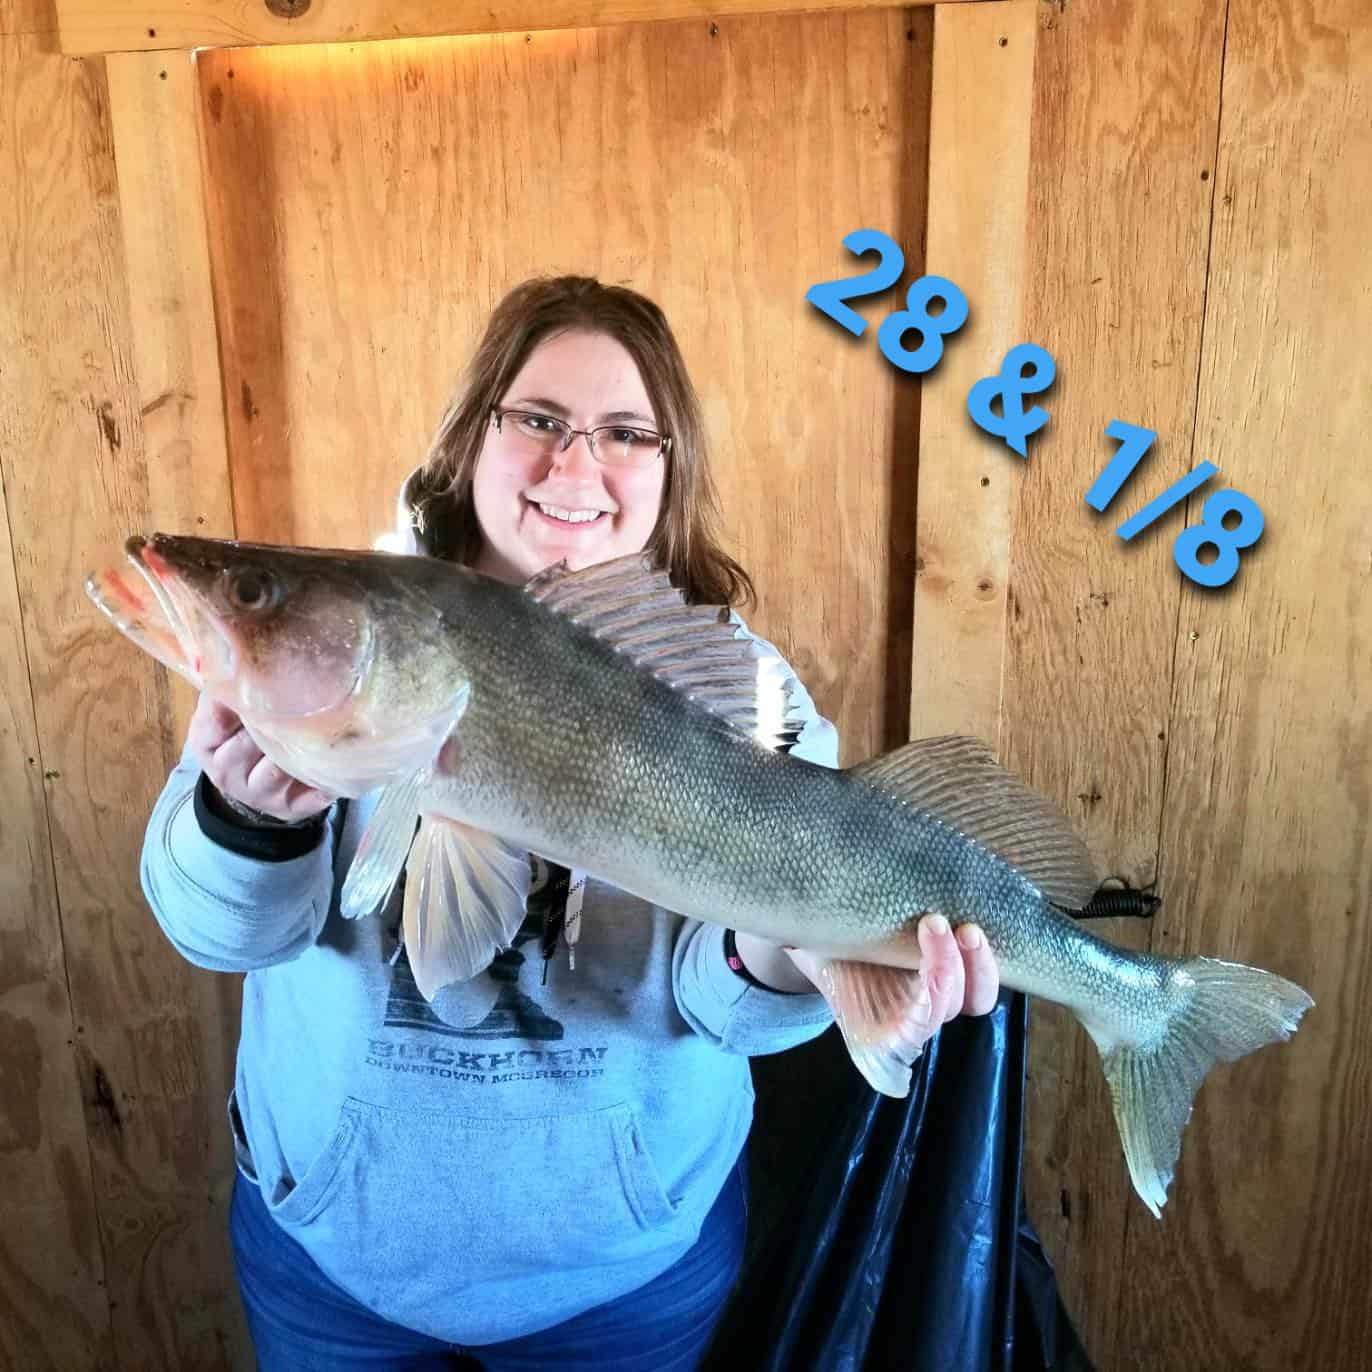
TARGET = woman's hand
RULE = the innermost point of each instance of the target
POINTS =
(958, 972)
(242, 773)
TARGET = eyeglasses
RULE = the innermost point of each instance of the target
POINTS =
(614, 445)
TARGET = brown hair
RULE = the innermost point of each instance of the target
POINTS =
(684, 542)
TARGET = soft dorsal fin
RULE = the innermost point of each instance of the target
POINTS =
(633, 606)
(957, 780)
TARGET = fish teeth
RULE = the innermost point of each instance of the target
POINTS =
(569, 516)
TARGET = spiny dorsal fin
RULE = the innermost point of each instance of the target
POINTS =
(633, 606)
(957, 780)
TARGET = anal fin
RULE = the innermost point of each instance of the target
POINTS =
(882, 1013)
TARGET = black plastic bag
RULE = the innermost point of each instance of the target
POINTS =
(900, 1241)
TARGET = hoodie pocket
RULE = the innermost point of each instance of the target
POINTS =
(298, 1203)
(242, 1156)
(508, 1194)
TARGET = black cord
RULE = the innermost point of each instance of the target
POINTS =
(1110, 902)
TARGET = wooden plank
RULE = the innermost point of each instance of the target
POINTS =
(1126, 102)
(27, 16)
(978, 201)
(154, 112)
(149, 1030)
(90, 26)
(155, 117)
(1267, 825)
(54, 1313)
(370, 205)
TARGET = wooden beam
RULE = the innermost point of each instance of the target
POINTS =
(978, 189)
(154, 113)
(90, 26)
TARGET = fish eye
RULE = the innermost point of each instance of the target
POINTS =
(250, 589)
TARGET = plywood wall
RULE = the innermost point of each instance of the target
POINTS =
(366, 207)
(371, 203)
(1192, 255)
(1202, 270)
(115, 1059)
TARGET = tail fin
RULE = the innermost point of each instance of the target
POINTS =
(1218, 1011)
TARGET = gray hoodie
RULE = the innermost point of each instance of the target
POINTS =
(534, 1143)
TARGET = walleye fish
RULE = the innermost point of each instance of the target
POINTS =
(595, 718)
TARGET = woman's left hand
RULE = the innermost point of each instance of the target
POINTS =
(958, 971)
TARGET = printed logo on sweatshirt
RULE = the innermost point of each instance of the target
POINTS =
(525, 1064)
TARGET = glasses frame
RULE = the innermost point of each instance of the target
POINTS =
(664, 442)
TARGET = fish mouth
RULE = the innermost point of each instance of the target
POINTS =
(166, 611)
(143, 609)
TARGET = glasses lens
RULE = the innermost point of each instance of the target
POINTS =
(536, 431)
(623, 447)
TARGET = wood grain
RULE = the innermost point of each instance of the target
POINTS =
(154, 114)
(370, 204)
(1126, 104)
(147, 1030)
(978, 193)
(90, 26)
(1265, 1259)
(54, 1313)
(32, 17)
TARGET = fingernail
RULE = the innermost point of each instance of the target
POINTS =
(969, 936)
(937, 925)
(922, 1004)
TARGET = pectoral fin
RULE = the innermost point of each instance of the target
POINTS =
(381, 852)
(465, 893)
(882, 1013)
(391, 830)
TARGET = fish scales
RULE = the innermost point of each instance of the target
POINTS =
(571, 750)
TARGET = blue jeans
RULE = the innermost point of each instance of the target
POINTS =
(301, 1322)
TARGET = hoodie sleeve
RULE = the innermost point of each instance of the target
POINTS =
(230, 899)
(715, 1001)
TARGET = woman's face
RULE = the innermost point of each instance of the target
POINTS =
(535, 508)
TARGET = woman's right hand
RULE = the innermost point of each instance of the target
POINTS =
(241, 771)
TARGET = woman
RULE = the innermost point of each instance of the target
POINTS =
(542, 1166)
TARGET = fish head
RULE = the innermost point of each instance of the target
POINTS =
(321, 652)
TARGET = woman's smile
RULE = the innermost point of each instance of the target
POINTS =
(561, 515)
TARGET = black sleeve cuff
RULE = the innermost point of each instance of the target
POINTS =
(736, 965)
(275, 844)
